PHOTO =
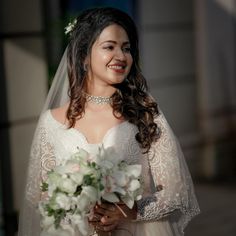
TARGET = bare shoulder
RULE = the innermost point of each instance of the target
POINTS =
(59, 113)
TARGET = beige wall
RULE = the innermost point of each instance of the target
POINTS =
(26, 80)
(168, 60)
(216, 60)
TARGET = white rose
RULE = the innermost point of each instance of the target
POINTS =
(86, 170)
(63, 201)
(67, 185)
(54, 178)
(51, 189)
(77, 178)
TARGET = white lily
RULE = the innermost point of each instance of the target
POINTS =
(129, 201)
(90, 192)
(134, 170)
(134, 185)
(71, 166)
(120, 178)
(76, 184)
(110, 197)
(81, 155)
(83, 203)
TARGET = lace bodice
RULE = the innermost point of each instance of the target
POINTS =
(66, 141)
(168, 189)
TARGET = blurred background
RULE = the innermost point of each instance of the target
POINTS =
(188, 55)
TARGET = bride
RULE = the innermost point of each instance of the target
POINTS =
(99, 97)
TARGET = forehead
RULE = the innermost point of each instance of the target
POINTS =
(113, 32)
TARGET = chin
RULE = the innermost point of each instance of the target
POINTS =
(118, 80)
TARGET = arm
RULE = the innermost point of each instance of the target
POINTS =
(41, 160)
(174, 195)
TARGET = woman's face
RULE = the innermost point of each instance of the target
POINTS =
(110, 60)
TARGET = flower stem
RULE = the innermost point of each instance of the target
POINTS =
(119, 208)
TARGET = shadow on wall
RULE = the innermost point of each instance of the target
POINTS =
(217, 89)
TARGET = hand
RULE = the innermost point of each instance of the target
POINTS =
(107, 216)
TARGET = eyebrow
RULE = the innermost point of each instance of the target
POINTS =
(114, 42)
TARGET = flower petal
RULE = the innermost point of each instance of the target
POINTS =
(110, 197)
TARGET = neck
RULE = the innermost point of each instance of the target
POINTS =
(99, 89)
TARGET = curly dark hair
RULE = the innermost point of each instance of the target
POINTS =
(131, 99)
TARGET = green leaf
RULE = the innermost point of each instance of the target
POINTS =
(101, 187)
(59, 215)
(44, 187)
(88, 180)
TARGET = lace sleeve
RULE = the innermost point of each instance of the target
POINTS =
(174, 195)
(42, 159)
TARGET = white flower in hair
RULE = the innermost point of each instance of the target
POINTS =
(70, 26)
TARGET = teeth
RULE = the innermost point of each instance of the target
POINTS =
(116, 67)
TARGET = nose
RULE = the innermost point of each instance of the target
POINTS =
(120, 55)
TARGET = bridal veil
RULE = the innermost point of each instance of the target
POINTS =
(175, 198)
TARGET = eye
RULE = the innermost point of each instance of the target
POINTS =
(126, 49)
(109, 47)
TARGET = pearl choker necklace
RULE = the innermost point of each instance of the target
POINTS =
(98, 99)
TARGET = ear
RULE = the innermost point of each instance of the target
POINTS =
(86, 63)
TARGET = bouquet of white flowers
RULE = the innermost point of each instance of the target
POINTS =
(74, 187)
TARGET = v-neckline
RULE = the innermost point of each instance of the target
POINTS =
(76, 130)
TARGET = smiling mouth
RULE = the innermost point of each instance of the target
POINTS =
(117, 68)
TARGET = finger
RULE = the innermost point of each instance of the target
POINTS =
(99, 210)
(108, 212)
(107, 206)
(108, 228)
(105, 228)
(109, 220)
(96, 217)
(95, 224)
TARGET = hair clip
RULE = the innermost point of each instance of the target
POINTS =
(69, 28)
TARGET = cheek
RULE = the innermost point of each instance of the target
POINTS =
(103, 57)
(98, 58)
(130, 61)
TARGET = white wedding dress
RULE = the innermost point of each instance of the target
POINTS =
(168, 202)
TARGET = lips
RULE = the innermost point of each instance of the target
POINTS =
(119, 68)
